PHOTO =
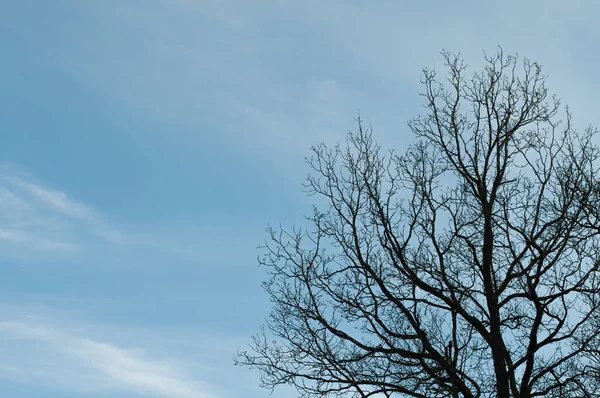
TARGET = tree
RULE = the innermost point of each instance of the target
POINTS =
(466, 267)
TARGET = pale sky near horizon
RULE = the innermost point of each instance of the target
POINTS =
(146, 145)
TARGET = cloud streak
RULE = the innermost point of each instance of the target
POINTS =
(36, 242)
(49, 355)
(35, 218)
(57, 200)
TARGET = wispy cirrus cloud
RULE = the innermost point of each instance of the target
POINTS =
(39, 219)
(57, 200)
(43, 354)
(35, 218)
(36, 242)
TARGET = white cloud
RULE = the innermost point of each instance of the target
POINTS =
(35, 242)
(25, 227)
(36, 219)
(48, 355)
(57, 200)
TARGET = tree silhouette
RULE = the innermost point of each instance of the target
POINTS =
(468, 266)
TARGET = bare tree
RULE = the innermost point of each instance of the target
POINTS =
(466, 267)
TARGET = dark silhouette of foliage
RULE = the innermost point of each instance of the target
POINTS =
(468, 266)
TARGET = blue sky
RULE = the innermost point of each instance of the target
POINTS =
(146, 144)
